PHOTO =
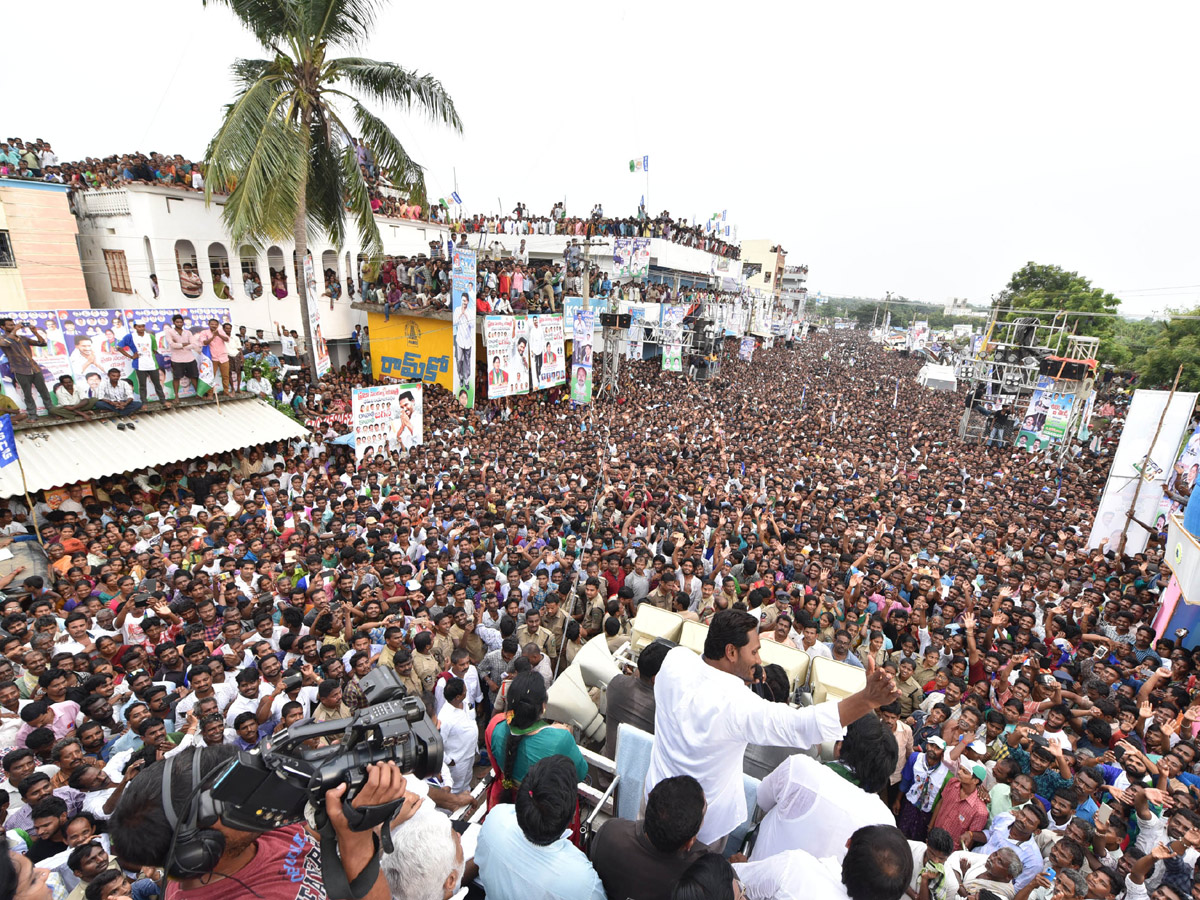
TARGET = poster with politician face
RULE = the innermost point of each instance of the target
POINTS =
(91, 337)
(463, 308)
(518, 362)
(51, 359)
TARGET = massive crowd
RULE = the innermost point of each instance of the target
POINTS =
(36, 160)
(1022, 734)
(664, 226)
(508, 282)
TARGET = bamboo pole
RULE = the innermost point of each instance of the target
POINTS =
(1145, 461)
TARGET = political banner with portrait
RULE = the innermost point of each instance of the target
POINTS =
(321, 363)
(746, 351)
(463, 308)
(52, 359)
(581, 358)
(672, 337)
(195, 320)
(1059, 400)
(1046, 417)
(546, 354)
(82, 343)
(637, 321)
(498, 339)
(518, 359)
(571, 305)
(91, 336)
(386, 418)
(631, 257)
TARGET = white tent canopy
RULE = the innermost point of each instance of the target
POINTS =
(939, 378)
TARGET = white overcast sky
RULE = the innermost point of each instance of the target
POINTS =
(928, 149)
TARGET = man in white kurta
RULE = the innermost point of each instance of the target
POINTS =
(811, 806)
(705, 716)
(460, 738)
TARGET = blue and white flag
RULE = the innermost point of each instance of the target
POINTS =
(645, 163)
(457, 199)
(8, 442)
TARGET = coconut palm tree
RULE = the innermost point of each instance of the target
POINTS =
(284, 151)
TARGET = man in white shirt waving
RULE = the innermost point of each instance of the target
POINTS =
(705, 716)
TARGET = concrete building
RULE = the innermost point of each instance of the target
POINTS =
(769, 256)
(793, 290)
(39, 257)
(134, 236)
(670, 263)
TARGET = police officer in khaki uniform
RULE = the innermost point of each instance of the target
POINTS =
(533, 633)
(425, 667)
(554, 618)
(403, 663)
(443, 644)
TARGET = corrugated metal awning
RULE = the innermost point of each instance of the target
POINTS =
(81, 451)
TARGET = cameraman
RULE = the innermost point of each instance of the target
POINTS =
(283, 864)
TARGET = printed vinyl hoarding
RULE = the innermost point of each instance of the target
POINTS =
(83, 343)
(463, 306)
(387, 417)
(581, 359)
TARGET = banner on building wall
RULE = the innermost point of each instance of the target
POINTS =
(637, 320)
(746, 351)
(413, 349)
(195, 320)
(546, 353)
(320, 350)
(462, 302)
(631, 257)
(387, 417)
(672, 337)
(53, 359)
(92, 336)
(83, 343)
(581, 358)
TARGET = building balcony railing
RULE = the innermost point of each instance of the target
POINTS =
(111, 202)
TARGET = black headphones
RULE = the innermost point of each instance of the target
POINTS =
(197, 846)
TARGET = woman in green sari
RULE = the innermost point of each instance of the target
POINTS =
(518, 738)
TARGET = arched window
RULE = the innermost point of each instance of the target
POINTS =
(277, 269)
(218, 265)
(327, 278)
(151, 271)
(190, 282)
(252, 282)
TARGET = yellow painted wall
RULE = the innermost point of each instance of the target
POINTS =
(409, 348)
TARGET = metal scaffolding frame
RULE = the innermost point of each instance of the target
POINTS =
(1008, 362)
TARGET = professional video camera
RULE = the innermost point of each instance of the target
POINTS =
(282, 782)
(270, 786)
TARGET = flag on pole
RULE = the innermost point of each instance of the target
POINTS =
(8, 442)
(723, 214)
(457, 199)
(646, 163)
